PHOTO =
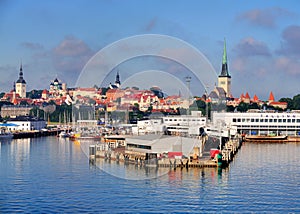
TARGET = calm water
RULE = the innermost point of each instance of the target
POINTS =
(51, 175)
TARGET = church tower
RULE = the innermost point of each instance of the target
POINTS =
(224, 79)
(21, 84)
(118, 82)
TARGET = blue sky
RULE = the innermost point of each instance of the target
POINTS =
(57, 38)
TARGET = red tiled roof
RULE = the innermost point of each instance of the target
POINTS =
(247, 96)
(271, 97)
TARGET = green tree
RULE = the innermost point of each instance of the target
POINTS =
(296, 102)
(34, 94)
(24, 103)
(253, 106)
(289, 101)
(243, 107)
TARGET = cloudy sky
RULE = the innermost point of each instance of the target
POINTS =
(57, 39)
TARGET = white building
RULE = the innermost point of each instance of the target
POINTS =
(173, 124)
(260, 122)
(26, 124)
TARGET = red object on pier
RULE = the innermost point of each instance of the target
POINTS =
(214, 152)
(174, 154)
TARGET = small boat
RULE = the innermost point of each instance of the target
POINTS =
(64, 134)
(265, 138)
(78, 136)
(4, 134)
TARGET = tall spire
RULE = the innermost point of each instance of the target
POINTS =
(21, 78)
(224, 53)
(21, 69)
(118, 79)
(224, 72)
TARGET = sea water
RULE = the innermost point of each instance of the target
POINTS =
(53, 175)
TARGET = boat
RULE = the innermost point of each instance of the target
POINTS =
(266, 138)
(4, 134)
(79, 136)
(64, 134)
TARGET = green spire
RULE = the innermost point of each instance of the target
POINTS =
(224, 71)
(224, 53)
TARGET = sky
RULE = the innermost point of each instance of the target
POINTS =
(56, 39)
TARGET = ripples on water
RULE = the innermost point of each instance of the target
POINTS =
(51, 175)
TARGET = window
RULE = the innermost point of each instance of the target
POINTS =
(233, 119)
(270, 120)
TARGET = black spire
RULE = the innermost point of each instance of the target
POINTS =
(21, 79)
(118, 79)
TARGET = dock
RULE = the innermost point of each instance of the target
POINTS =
(35, 133)
(209, 158)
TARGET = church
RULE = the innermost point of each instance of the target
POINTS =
(223, 90)
(20, 85)
(117, 82)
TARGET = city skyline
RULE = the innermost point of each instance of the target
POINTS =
(56, 39)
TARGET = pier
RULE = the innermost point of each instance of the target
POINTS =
(35, 133)
(210, 157)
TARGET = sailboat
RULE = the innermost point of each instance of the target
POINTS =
(65, 132)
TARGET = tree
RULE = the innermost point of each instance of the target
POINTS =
(230, 109)
(289, 101)
(243, 107)
(296, 102)
(24, 103)
(253, 106)
(34, 94)
(2, 103)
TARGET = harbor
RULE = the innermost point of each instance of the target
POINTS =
(61, 176)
